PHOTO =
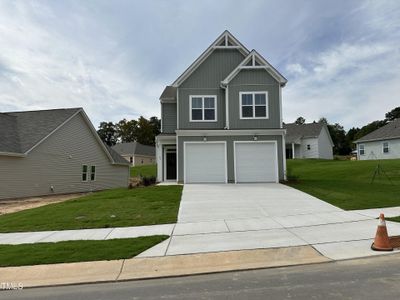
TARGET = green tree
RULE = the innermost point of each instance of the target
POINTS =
(127, 130)
(108, 133)
(393, 114)
(300, 120)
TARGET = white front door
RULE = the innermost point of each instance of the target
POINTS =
(205, 162)
(256, 161)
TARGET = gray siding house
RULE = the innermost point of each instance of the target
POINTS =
(222, 119)
(55, 152)
(136, 154)
(311, 140)
(383, 143)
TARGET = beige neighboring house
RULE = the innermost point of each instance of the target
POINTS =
(55, 152)
(136, 154)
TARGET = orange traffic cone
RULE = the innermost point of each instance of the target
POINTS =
(381, 242)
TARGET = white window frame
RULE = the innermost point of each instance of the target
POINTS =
(383, 148)
(363, 149)
(202, 108)
(254, 105)
(87, 173)
(95, 172)
(308, 147)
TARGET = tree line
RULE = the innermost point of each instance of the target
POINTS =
(343, 140)
(142, 130)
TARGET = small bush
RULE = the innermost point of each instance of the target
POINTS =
(148, 180)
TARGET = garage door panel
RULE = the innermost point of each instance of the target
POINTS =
(255, 162)
(205, 162)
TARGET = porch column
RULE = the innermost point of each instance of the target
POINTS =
(293, 150)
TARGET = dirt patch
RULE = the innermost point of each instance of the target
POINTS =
(15, 205)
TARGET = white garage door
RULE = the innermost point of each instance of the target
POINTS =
(205, 162)
(256, 162)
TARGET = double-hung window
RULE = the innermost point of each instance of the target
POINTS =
(203, 108)
(253, 105)
(385, 147)
(84, 173)
(361, 149)
(92, 173)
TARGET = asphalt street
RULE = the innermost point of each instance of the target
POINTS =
(370, 278)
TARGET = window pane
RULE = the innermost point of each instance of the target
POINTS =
(260, 99)
(209, 114)
(247, 99)
(247, 111)
(84, 176)
(261, 111)
(84, 168)
(93, 169)
(197, 114)
(196, 102)
(93, 173)
(209, 102)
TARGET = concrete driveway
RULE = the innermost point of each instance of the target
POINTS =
(225, 217)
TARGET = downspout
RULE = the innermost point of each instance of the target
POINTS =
(226, 88)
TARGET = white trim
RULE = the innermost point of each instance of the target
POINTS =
(204, 142)
(252, 142)
(253, 55)
(284, 157)
(227, 107)
(236, 45)
(253, 93)
(203, 108)
(218, 132)
(280, 107)
(293, 151)
(162, 117)
(165, 163)
(177, 108)
(12, 154)
(177, 158)
(359, 149)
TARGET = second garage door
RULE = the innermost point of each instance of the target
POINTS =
(205, 162)
(256, 162)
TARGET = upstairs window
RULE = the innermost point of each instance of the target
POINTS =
(308, 147)
(203, 108)
(362, 149)
(385, 147)
(253, 105)
(84, 173)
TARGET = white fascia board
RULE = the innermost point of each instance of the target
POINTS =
(206, 53)
(12, 154)
(166, 139)
(230, 132)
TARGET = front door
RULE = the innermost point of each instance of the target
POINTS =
(170, 164)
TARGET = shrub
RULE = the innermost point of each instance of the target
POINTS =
(148, 180)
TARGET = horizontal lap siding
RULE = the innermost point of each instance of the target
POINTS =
(229, 144)
(58, 162)
(206, 80)
(374, 150)
(254, 80)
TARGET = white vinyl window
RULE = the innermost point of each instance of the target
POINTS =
(203, 108)
(361, 149)
(92, 173)
(253, 105)
(308, 147)
(84, 173)
(385, 147)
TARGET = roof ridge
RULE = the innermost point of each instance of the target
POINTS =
(40, 110)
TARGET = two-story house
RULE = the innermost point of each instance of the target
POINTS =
(222, 119)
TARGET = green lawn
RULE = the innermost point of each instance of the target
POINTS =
(75, 251)
(347, 184)
(112, 208)
(144, 171)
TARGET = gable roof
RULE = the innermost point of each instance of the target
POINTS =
(134, 148)
(225, 41)
(295, 132)
(255, 61)
(169, 94)
(22, 131)
(389, 131)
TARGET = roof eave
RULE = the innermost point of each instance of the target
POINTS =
(14, 154)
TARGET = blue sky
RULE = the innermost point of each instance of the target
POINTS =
(113, 58)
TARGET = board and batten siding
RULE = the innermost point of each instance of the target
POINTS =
(58, 162)
(230, 149)
(251, 81)
(168, 117)
(374, 150)
(206, 80)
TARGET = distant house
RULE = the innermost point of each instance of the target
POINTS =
(310, 140)
(383, 143)
(136, 154)
(55, 152)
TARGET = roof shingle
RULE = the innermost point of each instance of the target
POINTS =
(389, 131)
